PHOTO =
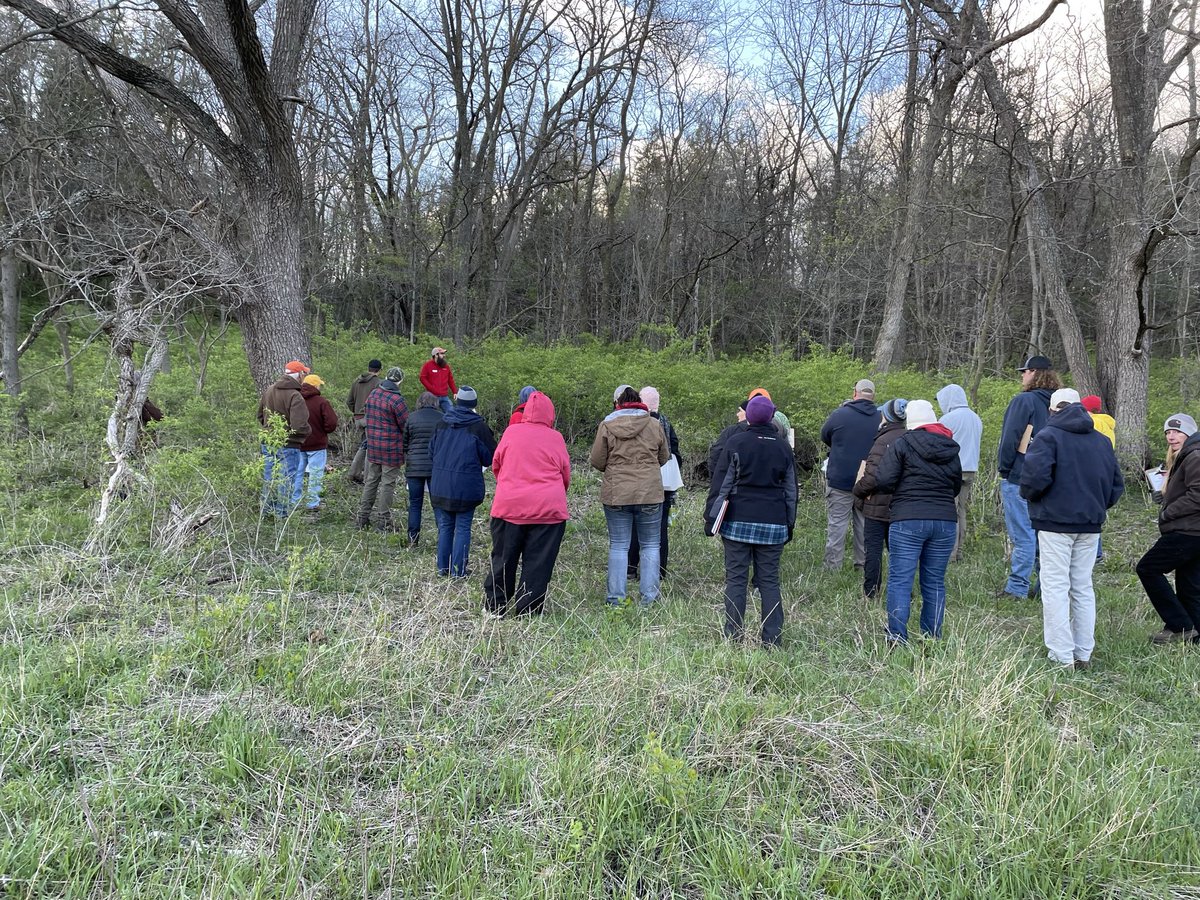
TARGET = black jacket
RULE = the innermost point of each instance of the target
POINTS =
(764, 489)
(1180, 511)
(877, 506)
(1070, 476)
(848, 433)
(418, 432)
(1025, 409)
(922, 473)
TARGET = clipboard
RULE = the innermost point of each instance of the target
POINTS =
(716, 529)
(1025, 438)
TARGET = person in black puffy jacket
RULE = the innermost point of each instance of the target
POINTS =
(418, 466)
(877, 508)
(757, 474)
(923, 474)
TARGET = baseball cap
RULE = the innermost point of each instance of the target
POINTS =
(1036, 362)
(1062, 397)
(864, 386)
(295, 367)
(315, 380)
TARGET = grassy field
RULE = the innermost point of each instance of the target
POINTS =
(307, 711)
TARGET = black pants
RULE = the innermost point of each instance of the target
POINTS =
(1179, 553)
(535, 549)
(765, 557)
(663, 539)
(875, 537)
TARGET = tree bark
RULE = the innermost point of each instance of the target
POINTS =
(10, 314)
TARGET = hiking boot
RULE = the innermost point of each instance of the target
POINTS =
(1082, 665)
(1167, 636)
(1005, 594)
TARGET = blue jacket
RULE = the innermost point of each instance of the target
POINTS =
(963, 423)
(461, 447)
(1071, 476)
(1027, 408)
(849, 433)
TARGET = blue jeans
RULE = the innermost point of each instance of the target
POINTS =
(927, 544)
(621, 520)
(314, 469)
(281, 489)
(416, 498)
(454, 540)
(1023, 537)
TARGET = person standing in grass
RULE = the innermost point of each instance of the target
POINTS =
(1107, 426)
(922, 473)
(757, 474)
(630, 448)
(652, 399)
(967, 429)
(418, 466)
(849, 433)
(462, 446)
(529, 511)
(1178, 547)
(876, 508)
(1023, 419)
(282, 469)
(437, 378)
(518, 413)
(323, 421)
(1070, 480)
(357, 403)
(385, 415)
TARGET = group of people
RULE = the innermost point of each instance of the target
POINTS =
(897, 477)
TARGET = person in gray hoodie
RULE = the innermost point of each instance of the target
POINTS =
(967, 429)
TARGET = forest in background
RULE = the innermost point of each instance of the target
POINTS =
(929, 183)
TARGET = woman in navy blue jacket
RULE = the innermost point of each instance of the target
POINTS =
(461, 448)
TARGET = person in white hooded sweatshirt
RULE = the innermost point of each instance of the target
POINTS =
(967, 429)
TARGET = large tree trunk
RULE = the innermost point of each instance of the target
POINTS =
(10, 313)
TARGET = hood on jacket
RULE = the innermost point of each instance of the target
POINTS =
(863, 405)
(932, 445)
(952, 396)
(367, 377)
(539, 410)
(460, 417)
(389, 386)
(625, 423)
(1073, 418)
(310, 390)
(886, 427)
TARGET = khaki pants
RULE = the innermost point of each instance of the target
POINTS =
(841, 512)
(357, 449)
(377, 495)
(962, 503)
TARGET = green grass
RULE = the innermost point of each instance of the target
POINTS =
(309, 712)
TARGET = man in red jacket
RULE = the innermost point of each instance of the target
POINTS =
(322, 420)
(437, 378)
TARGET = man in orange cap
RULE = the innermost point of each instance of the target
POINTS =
(437, 378)
(281, 489)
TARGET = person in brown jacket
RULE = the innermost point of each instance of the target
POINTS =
(357, 402)
(281, 489)
(315, 448)
(877, 508)
(1178, 547)
(630, 449)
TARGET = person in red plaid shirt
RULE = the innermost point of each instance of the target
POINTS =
(385, 415)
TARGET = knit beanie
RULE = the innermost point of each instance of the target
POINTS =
(525, 392)
(467, 397)
(895, 410)
(918, 413)
(1091, 403)
(395, 374)
(759, 411)
(1180, 422)
(650, 397)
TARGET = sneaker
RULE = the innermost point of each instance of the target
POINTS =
(1167, 636)
(1005, 594)
(1082, 665)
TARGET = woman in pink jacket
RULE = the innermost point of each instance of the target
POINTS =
(529, 512)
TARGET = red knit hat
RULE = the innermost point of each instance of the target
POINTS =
(1091, 403)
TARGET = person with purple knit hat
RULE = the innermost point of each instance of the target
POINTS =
(757, 474)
